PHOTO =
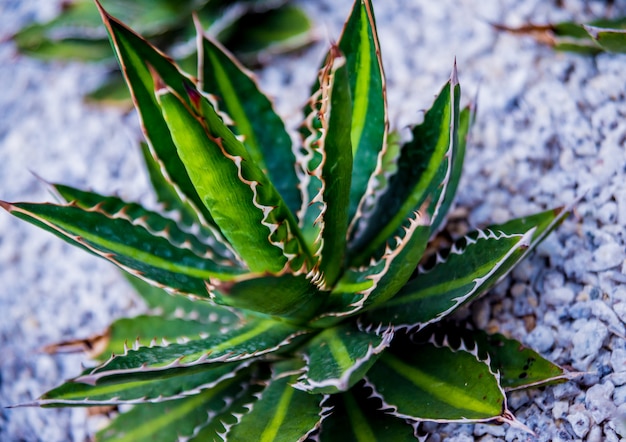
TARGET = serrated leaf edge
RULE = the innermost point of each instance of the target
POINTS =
(505, 417)
(387, 259)
(524, 243)
(143, 400)
(306, 384)
(97, 373)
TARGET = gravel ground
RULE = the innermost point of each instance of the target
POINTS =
(550, 129)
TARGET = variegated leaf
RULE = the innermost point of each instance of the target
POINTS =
(339, 357)
(242, 201)
(293, 297)
(366, 287)
(254, 118)
(202, 417)
(357, 416)
(423, 167)
(163, 304)
(518, 366)
(467, 272)
(282, 413)
(131, 247)
(167, 388)
(203, 243)
(359, 44)
(141, 330)
(453, 174)
(136, 58)
(254, 338)
(425, 382)
(328, 158)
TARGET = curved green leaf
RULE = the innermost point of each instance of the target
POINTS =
(357, 417)
(339, 357)
(142, 330)
(131, 247)
(423, 166)
(200, 310)
(518, 366)
(183, 384)
(288, 296)
(359, 44)
(200, 417)
(254, 118)
(254, 338)
(241, 199)
(207, 245)
(136, 57)
(424, 382)
(282, 413)
(466, 273)
(453, 175)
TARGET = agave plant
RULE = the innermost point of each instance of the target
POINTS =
(253, 29)
(297, 306)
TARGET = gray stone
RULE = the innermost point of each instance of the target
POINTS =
(618, 360)
(607, 256)
(589, 339)
(559, 296)
(619, 395)
(580, 423)
(599, 402)
(540, 339)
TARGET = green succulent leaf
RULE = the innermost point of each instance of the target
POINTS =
(519, 367)
(282, 413)
(146, 329)
(257, 336)
(338, 357)
(241, 199)
(364, 288)
(611, 40)
(424, 169)
(453, 174)
(359, 44)
(160, 389)
(131, 247)
(137, 58)
(327, 156)
(166, 191)
(256, 36)
(425, 382)
(205, 244)
(264, 134)
(291, 297)
(465, 274)
(201, 417)
(357, 416)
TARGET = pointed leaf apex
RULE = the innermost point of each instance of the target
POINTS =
(454, 77)
(159, 84)
(6, 206)
(593, 31)
(508, 418)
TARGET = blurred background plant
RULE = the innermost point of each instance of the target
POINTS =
(253, 29)
(605, 34)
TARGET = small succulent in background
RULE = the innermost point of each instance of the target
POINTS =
(253, 29)
(602, 35)
(288, 288)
